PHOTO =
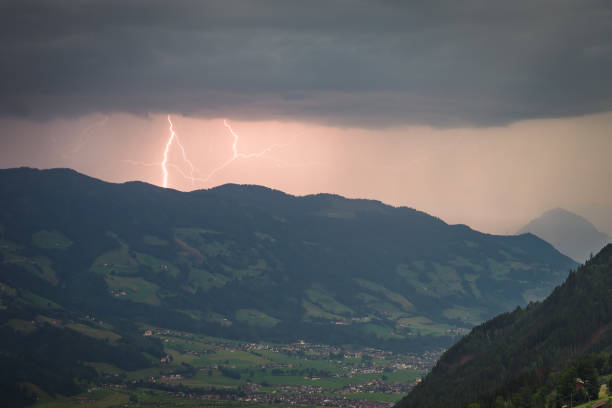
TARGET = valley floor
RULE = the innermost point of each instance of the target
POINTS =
(204, 371)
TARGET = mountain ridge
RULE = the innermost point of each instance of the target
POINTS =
(529, 351)
(388, 274)
(87, 266)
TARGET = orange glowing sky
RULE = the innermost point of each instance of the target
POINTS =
(494, 179)
(483, 113)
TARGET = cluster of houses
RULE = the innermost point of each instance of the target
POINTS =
(303, 395)
(349, 361)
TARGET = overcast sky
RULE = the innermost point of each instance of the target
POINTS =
(480, 112)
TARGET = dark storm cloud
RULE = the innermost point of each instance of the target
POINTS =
(443, 63)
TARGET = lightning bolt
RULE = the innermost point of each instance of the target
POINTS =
(248, 155)
(84, 138)
(165, 160)
(236, 155)
(164, 164)
(86, 135)
(185, 159)
(173, 138)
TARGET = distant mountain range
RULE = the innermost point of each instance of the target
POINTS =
(548, 354)
(86, 265)
(250, 262)
(568, 232)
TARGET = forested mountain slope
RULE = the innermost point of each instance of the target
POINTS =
(250, 262)
(532, 356)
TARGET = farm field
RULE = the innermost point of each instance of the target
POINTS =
(206, 371)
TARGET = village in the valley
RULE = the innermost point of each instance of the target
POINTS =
(299, 373)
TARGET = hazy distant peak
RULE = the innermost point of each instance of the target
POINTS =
(570, 233)
(562, 212)
(561, 220)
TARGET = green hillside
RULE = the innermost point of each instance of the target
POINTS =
(247, 261)
(534, 356)
(90, 263)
